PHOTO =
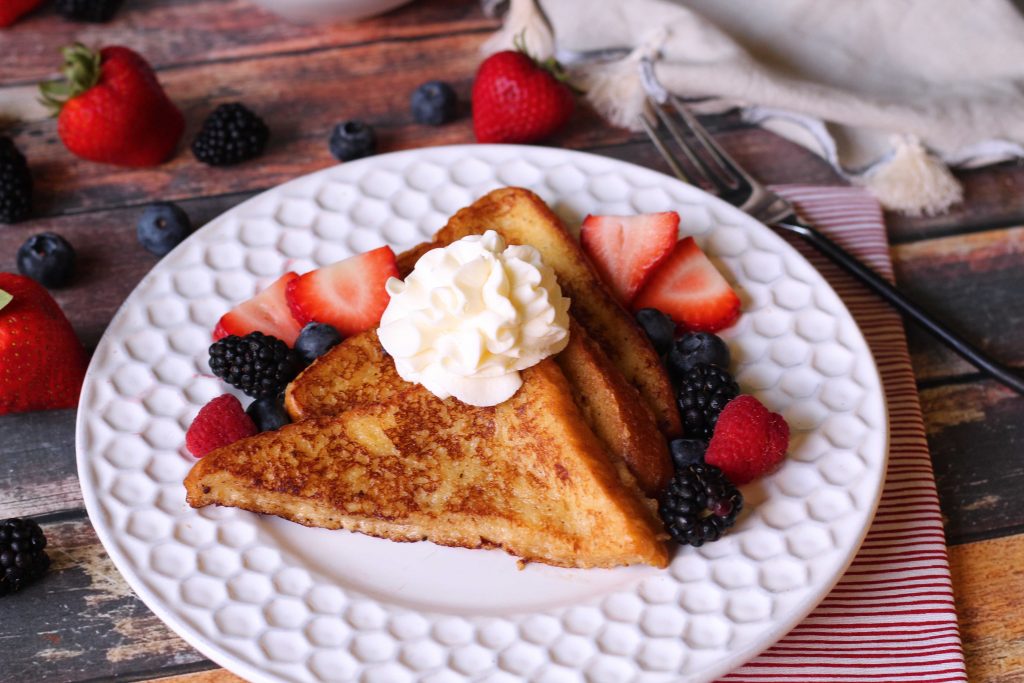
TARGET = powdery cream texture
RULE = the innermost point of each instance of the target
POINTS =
(471, 315)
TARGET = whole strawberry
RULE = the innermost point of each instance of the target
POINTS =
(112, 108)
(42, 363)
(516, 99)
(12, 10)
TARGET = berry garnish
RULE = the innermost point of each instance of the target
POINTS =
(704, 390)
(15, 183)
(352, 140)
(516, 99)
(268, 414)
(749, 441)
(697, 348)
(230, 135)
(112, 108)
(688, 287)
(96, 11)
(687, 452)
(315, 340)
(433, 103)
(47, 258)
(626, 250)
(699, 504)
(162, 227)
(267, 312)
(12, 10)
(23, 557)
(219, 423)
(257, 364)
(348, 295)
(659, 328)
(42, 363)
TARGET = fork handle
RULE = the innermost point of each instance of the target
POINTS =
(901, 303)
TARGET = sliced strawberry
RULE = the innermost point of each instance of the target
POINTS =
(349, 294)
(688, 287)
(267, 312)
(627, 249)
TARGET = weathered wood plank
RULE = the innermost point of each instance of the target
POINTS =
(170, 32)
(110, 260)
(976, 436)
(974, 283)
(82, 621)
(987, 578)
(37, 464)
(992, 198)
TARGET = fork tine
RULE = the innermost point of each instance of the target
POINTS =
(666, 153)
(695, 161)
(729, 171)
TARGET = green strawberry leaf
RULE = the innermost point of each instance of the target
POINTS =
(82, 71)
(5, 299)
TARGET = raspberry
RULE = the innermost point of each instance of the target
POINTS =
(749, 442)
(219, 423)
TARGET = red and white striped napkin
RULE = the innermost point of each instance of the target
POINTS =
(892, 616)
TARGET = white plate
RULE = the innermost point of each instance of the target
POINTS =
(274, 601)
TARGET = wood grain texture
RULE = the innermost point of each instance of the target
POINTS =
(976, 437)
(175, 32)
(987, 579)
(82, 622)
(974, 282)
(37, 464)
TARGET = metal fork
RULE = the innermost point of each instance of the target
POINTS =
(712, 168)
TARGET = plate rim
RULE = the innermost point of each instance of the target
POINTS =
(226, 659)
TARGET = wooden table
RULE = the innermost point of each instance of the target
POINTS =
(83, 623)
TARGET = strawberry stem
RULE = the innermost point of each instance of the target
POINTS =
(5, 298)
(81, 72)
(551, 65)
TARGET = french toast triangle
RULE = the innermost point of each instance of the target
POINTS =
(526, 475)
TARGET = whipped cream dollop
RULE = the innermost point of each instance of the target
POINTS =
(471, 315)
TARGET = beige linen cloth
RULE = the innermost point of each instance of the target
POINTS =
(889, 91)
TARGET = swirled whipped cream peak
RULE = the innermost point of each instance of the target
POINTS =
(471, 315)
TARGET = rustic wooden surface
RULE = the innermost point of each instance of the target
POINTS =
(83, 623)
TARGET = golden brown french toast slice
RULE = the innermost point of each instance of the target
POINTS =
(521, 217)
(527, 476)
(359, 371)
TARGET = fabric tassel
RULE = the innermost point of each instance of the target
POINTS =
(912, 180)
(615, 89)
(526, 26)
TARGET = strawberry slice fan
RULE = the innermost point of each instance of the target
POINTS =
(892, 616)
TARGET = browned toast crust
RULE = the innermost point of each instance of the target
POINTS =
(526, 475)
(521, 217)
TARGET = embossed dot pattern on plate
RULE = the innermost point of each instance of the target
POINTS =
(248, 594)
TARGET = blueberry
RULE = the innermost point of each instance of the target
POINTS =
(315, 340)
(433, 103)
(659, 328)
(687, 452)
(352, 140)
(162, 227)
(47, 258)
(697, 348)
(268, 414)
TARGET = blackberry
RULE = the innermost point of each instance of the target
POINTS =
(96, 11)
(15, 183)
(699, 504)
(231, 134)
(258, 364)
(703, 393)
(23, 558)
